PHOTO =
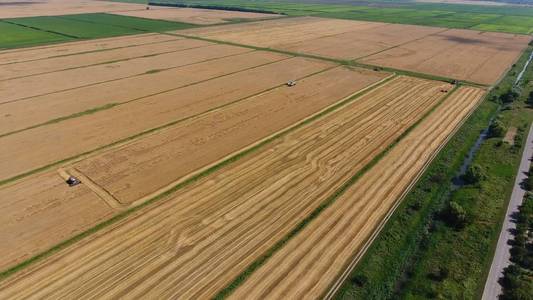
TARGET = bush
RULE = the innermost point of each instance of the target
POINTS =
(496, 129)
(439, 273)
(509, 97)
(359, 280)
(474, 174)
(455, 215)
(529, 99)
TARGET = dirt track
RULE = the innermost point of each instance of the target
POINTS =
(307, 266)
(194, 15)
(61, 140)
(162, 164)
(459, 54)
(197, 241)
(19, 115)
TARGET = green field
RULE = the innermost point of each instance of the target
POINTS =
(510, 19)
(17, 36)
(33, 31)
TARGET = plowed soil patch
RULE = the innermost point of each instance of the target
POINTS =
(197, 241)
(308, 265)
(194, 15)
(19, 115)
(72, 137)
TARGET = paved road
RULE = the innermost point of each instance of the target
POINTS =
(501, 257)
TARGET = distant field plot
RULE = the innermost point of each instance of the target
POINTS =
(15, 56)
(16, 36)
(33, 8)
(20, 32)
(142, 24)
(194, 16)
(72, 28)
(430, 14)
(459, 54)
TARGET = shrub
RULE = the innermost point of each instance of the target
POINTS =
(474, 174)
(359, 280)
(455, 215)
(509, 97)
(439, 273)
(496, 129)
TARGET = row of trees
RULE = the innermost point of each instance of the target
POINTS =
(518, 277)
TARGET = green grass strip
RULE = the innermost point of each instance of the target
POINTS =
(10, 271)
(241, 278)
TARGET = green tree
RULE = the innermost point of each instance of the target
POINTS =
(474, 174)
(455, 215)
(509, 97)
(496, 129)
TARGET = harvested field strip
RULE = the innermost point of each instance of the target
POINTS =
(90, 132)
(41, 211)
(309, 263)
(211, 230)
(28, 87)
(81, 47)
(283, 107)
(56, 107)
(60, 235)
(18, 70)
(143, 167)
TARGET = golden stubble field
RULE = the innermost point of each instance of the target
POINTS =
(211, 230)
(135, 117)
(475, 56)
(194, 15)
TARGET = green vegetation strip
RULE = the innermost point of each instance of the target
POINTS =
(35, 31)
(6, 273)
(502, 18)
(394, 266)
(240, 279)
